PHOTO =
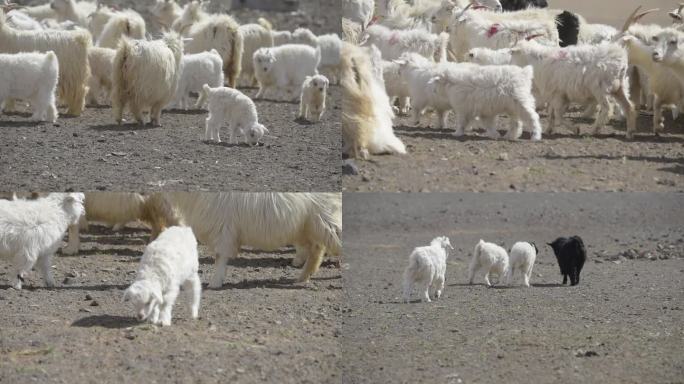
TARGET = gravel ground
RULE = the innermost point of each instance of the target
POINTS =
(91, 152)
(441, 162)
(624, 323)
(258, 328)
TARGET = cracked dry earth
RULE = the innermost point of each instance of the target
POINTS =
(258, 327)
(624, 323)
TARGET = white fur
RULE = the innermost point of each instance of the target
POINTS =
(479, 28)
(127, 23)
(358, 11)
(146, 75)
(590, 73)
(165, 12)
(312, 99)
(367, 118)
(399, 14)
(396, 86)
(427, 267)
(40, 12)
(255, 36)
(488, 91)
(31, 77)
(71, 48)
(169, 262)
(101, 67)
(486, 56)
(228, 105)
(196, 70)
(191, 15)
(521, 259)
(393, 43)
(74, 11)
(490, 258)
(98, 19)
(31, 231)
(226, 221)
(331, 46)
(22, 21)
(220, 32)
(283, 69)
(596, 33)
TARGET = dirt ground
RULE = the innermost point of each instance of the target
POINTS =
(624, 323)
(91, 152)
(259, 327)
(438, 161)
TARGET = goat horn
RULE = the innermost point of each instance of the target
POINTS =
(528, 38)
(635, 16)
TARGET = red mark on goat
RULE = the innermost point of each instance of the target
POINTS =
(493, 30)
(374, 20)
(562, 55)
(394, 38)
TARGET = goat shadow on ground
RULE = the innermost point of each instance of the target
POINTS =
(23, 124)
(547, 285)
(193, 111)
(123, 127)
(678, 169)
(280, 283)
(101, 287)
(239, 144)
(98, 106)
(652, 159)
(110, 252)
(106, 321)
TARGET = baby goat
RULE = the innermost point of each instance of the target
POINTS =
(427, 266)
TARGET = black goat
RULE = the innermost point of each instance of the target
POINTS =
(571, 256)
(516, 5)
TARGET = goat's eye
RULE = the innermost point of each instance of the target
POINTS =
(655, 38)
(471, 55)
(673, 42)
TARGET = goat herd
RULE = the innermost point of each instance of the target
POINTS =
(68, 52)
(31, 231)
(427, 265)
(471, 58)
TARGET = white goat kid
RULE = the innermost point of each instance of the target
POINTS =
(233, 106)
(196, 70)
(488, 91)
(521, 258)
(284, 69)
(31, 231)
(169, 262)
(32, 77)
(393, 43)
(488, 257)
(312, 100)
(427, 267)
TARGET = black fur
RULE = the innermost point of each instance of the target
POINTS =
(568, 28)
(571, 255)
(516, 5)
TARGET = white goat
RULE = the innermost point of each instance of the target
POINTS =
(396, 86)
(32, 230)
(74, 11)
(196, 70)
(478, 28)
(169, 262)
(393, 43)
(284, 68)
(488, 257)
(583, 80)
(146, 76)
(255, 36)
(22, 21)
(101, 67)
(191, 15)
(668, 50)
(488, 91)
(165, 12)
(486, 56)
(98, 19)
(521, 258)
(427, 267)
(31, 77)
(71, 48)
(226, 221)
(312, 100)
(220, 32)
(40, 12)
(127, 23)
(239, 111)
(331, 47)
(358, 11)
(367, 112)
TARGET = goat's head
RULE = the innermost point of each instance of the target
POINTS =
(676, 14)
(667, 46)
(633, 18)
(264, 60)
